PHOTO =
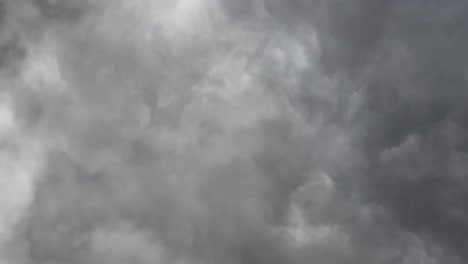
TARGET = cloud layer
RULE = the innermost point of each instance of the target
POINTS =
(233, 132)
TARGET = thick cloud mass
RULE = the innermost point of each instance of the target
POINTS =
(233, 132)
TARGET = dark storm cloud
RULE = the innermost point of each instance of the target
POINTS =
(413, 120)
(203, 131)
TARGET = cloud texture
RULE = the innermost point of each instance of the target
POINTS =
(233, 132)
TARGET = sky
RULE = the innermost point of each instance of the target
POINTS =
(233, 132)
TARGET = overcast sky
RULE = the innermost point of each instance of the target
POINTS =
(233, 131)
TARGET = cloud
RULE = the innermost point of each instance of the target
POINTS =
(206, 131)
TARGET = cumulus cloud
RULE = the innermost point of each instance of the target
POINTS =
(237, 132)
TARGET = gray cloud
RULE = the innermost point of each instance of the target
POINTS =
(206, 131)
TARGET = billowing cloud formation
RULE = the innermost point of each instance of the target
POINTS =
(237, 132)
